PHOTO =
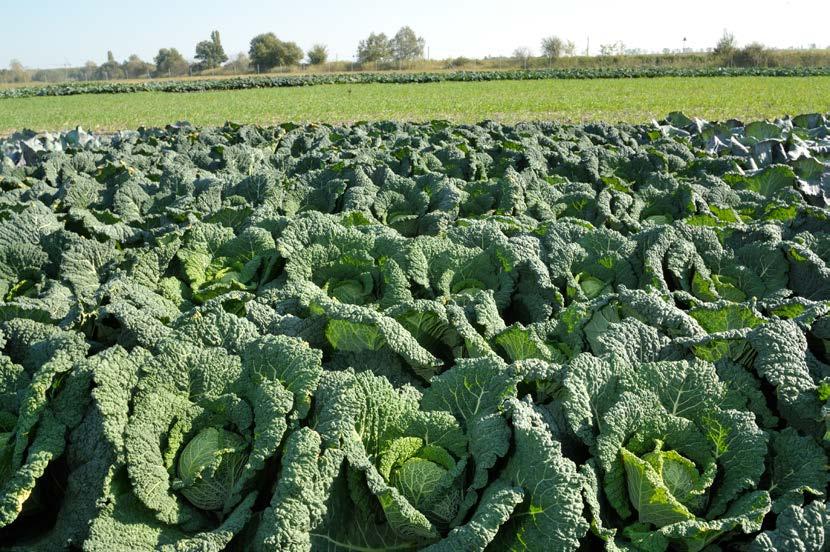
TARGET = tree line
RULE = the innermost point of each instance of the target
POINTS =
(267, 52)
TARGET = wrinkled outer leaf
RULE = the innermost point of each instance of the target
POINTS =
(803, 529)
(551, 516)
(799, 469)
(299, 502)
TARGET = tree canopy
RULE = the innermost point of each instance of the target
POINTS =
(726, 45)
(210, 52)
(376, 47)
(170, 62)
(268, 51)
(406, 45)
(111, 69)
(552, 47)
(135, 67)
(318, 54)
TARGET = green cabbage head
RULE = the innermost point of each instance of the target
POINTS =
(426, 475)
(209, 467)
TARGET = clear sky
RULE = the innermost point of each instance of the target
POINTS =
(55, 33)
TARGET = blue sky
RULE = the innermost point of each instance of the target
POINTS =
(54, 33)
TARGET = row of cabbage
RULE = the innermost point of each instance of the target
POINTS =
(310, 79)
(396, 336)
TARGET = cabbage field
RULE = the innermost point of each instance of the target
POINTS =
(398, 336)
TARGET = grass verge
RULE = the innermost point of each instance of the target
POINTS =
(612, 100)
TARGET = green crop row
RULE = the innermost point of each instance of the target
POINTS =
(240, 83)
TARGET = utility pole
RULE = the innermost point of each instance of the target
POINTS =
(588, 47)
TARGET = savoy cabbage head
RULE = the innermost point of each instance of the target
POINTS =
(192, 431)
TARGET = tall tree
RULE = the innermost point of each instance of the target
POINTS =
(263, 51)
(268, 51)
(375, 48)
(111, 69)
(522, 54)
(210, 53)
(406, 45)
(169, 62)
(135, 67)
(552, 47)
(726, 45)
(17, 72)
(318, 54)
(612, 49)
(217, 46)
(90, 70)
(289, 53)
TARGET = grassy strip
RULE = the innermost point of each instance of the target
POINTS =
(633, 100)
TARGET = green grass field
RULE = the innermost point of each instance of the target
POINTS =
(613, 100)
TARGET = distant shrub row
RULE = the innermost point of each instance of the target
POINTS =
(238, 83)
